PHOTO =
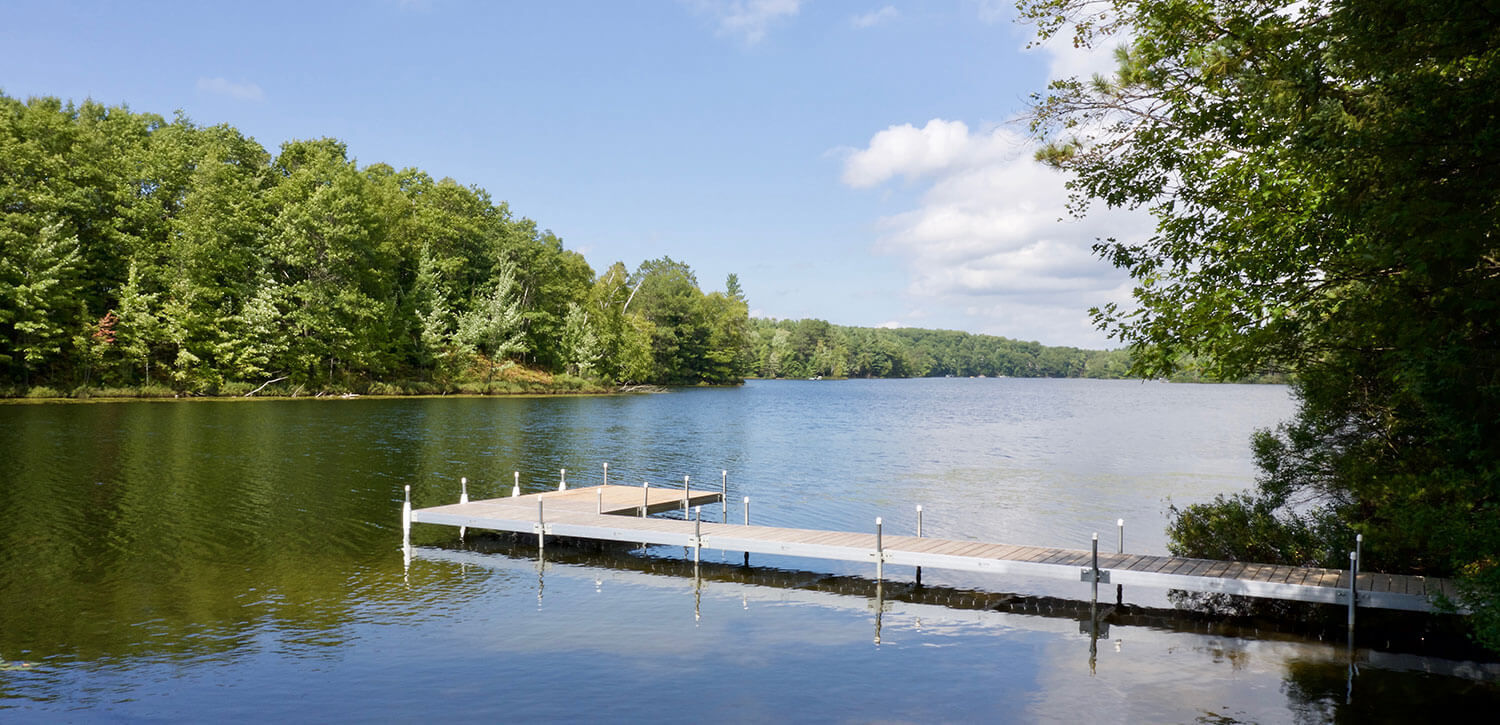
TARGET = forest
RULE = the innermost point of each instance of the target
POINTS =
(145, 254)
(142, 256)
(815, 348)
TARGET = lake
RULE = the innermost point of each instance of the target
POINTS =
(167, 560)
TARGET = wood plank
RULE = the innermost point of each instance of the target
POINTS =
(1178, 565)
(971, 550)
(946, 547)
(1061, 555)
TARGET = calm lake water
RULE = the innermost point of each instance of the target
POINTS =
(172, 560)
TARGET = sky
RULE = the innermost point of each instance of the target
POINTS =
(861, 163)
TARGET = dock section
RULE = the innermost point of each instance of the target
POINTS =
(615, 513)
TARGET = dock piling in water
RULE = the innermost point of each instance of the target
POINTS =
(1095, 577)
(516, 489)
(919, 535)
(463, 497)
(724, 493)
(541, 529)
(406, 521)
(562, 481)
(1120, 588)
(879, 552)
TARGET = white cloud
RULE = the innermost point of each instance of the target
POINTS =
(889, 325)
(1068, 61)
(239, 91)
(875, 17)
(747, 20)
(990, 239)
(916, 152)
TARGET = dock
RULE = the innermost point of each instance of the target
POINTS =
(623, 514)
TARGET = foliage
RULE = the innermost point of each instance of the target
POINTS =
(809, 348)
(217, 265)
(1324, 177)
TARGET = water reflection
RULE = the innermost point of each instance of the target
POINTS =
(161, 558)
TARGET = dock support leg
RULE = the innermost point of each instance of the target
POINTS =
(541, 530)
(724, 495)
(516, 489)
(1095, 577)
(919, 535)
(686, 492)
(463, 497)
(747, 523)
(697, 535)
(645, 497)
(562, 480)
(1120, 588)
(406, 522)
(1353, 575)
(599, 507)
(879, 553)
(606, 473)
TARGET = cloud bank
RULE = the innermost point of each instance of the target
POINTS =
(990, 238)
(875, 17)
(747, 20)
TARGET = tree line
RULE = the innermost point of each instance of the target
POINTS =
(815, 348)
(141, 251)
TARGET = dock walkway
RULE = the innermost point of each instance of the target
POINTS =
(614, 513)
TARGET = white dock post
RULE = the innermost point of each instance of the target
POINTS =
(697, 534)
(724, 492)
(606, 473)
(919, 535)
(879, 553)
(685, 494)
(1095, 577)
(541, 529)
(645, 497)
(516, 489)
(1353, 576)
(1120, 588)
(599, 509)
(406, 521)
(463, 497)
(562, 483)
(747, 523)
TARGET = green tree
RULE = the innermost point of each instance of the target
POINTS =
(39, 303)
(1324, 178)
(493, 328)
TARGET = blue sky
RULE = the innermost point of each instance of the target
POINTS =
(855, 162)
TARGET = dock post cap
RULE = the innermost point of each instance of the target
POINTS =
(408, 490)
(1119, 522)
(877, 521)
(1096, 536)
(1359, 537)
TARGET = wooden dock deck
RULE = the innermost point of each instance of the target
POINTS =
(613, 513)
